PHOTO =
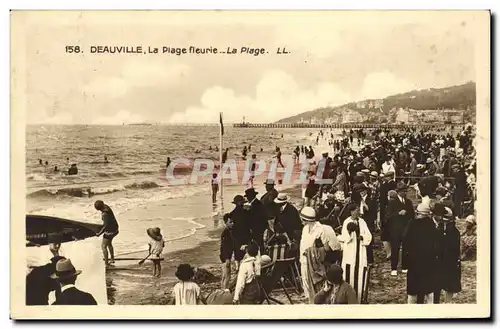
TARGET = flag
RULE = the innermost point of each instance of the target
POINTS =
(221, 124)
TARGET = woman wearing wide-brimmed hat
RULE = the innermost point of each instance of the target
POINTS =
(156, 245)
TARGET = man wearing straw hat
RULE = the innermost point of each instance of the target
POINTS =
(271, 193)
(66, 276)
(288, 217)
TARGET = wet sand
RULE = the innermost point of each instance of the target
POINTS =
(131, 284)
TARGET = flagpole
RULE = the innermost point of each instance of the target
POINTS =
(221, 132)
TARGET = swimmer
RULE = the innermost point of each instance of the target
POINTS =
(46, 163)
(106, 159)
(56, 169)
(40, 162)
(73, 170)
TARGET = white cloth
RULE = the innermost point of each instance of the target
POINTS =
(388, 167)
(86, 255)
(309, 235)
(156, 248)
(66, 287)
(186, 293)
(349, 247)
(246, 274)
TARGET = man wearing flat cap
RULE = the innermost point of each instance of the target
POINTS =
(399, 213)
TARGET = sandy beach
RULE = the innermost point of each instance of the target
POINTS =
(132, 284)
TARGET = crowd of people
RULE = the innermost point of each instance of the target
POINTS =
(404, 188)
(400, 186)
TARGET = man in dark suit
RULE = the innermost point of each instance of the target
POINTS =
(288, 217)
(257, 217)
(387, 185)
(39, 283)
(399, 213)
(66, 276)
(268, 198)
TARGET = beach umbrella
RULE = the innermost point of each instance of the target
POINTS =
(44, 230)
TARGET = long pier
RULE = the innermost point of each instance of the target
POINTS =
(345, 125)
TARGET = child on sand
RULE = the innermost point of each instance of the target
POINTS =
(247, 289)
(187, 292)
(156, 245)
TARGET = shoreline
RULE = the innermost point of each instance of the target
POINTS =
(131, 284)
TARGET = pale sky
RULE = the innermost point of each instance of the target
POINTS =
(334, 58)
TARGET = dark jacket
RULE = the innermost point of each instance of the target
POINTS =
(385, 187)
(257, 219)
(268, 201)
(449, 265)
(345, 295)
(290, 220)
(421, 246)
(39, 284)
(241, 229)
(397, 223)
(73, 296)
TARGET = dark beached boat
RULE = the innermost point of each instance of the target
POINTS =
(43, 230)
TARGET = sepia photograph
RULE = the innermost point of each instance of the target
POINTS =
(237, 160)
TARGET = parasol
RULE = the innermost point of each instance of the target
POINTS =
(44, 230)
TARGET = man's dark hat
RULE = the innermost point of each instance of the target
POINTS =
(238, 198)
(439, 209)
(334, 272)
(251, 192)
(351, 206)
(401, 186)
(441, 191)
(359, 187)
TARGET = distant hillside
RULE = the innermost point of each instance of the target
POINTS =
(455, 97)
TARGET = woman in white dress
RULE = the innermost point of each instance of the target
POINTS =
(355, 238)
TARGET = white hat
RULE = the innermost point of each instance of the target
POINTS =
(281, 198)
(308, 214)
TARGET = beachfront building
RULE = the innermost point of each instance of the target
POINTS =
(402, 115)
(350, 116)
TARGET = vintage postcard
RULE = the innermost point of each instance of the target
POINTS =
(258, 165)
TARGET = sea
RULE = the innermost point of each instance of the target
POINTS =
(133, 180)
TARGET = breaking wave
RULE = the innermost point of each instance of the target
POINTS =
(80, 192)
